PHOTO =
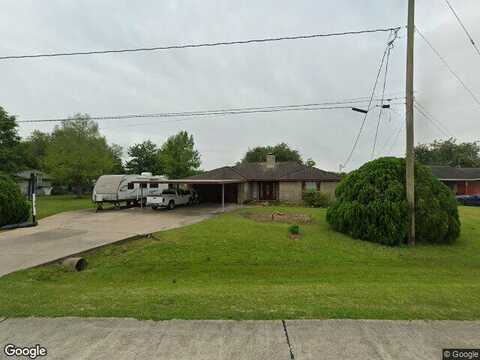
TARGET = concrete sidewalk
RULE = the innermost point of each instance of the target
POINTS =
(77, 338)
(72, 232)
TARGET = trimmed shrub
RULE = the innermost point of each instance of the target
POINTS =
(371, 205)
(314, 198)
(14, 208)
(294, 229)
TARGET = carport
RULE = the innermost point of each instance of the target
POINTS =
(217, 190)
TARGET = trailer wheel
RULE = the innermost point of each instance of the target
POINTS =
(171, 205)
(154, 207)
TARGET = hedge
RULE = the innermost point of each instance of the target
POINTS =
(14, 208)
(371, 205)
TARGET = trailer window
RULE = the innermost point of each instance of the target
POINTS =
(131, 186)
(153, 186)
(143, 186)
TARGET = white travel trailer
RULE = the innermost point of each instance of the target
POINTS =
(116, 189)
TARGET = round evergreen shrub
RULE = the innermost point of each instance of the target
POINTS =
(14, 208)
(372, 205)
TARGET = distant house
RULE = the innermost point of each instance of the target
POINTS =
(462, 181)
(265, 181)
(44, 184)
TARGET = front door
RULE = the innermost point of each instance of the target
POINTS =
(268, 190)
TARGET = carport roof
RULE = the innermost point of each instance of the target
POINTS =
(190, 181)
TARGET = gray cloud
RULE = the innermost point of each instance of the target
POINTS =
(257, 75)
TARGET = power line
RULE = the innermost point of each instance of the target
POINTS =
(198, 45)
(429, 114)
(474, 97)
(370, 102)
(463, 27)
(381, 104)
(430, 119)
(168, 115)
(231, 111)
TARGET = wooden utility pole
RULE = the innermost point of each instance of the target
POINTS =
(410, 161)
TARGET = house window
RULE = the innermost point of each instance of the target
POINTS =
(153, 186)
(310, 185)
(131, 186)
(143, 186)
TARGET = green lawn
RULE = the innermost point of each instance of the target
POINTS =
(234, 267)
(50, 205)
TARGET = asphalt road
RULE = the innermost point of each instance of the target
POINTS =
(77, 338)
(72, 232)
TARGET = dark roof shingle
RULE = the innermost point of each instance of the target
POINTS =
(455, 173)
(286, 171)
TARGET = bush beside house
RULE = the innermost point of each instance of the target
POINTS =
(371, 205)
(314, 198)
(14, 208)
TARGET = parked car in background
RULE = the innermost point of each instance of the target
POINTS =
(171, 198)
(472, 200)
(116, 189)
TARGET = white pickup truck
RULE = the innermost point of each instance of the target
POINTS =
(171, 198)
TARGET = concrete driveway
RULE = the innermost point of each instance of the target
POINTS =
(76, 338)
(72, 232)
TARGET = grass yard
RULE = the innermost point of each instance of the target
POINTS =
(51, 205)
(233, 267)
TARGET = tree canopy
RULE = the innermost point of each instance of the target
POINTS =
(178, 156)
(281, 151)
(448, 152)
(77, 154)
(144, 157)
(10, 156)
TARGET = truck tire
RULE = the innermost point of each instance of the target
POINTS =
(171, 205)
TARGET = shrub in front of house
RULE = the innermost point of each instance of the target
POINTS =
(314, 198)
(294, 229)
(14, 208)
(371, 205)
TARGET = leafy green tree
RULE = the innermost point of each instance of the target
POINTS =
(117, 153)
(371, 204)
(178, 156)
(14, 207)
(144, 157)
(77, 154)
(34, 149)
(448, 152)
(10, 155)
(281, 151)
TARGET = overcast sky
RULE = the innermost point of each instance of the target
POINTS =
(289, 72)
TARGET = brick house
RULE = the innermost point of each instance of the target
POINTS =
(462, 181)
(266, 181)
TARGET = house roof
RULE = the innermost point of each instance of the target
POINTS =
(281, 171)
(455, 173)
(27, 173)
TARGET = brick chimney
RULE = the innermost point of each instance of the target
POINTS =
(270, 161)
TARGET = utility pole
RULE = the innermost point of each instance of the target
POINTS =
(410, 161)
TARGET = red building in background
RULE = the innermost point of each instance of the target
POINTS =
(462, 181)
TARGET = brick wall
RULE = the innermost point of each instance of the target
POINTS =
(290, 191)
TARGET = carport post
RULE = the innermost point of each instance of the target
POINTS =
(223, 196)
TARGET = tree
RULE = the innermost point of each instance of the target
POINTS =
(10, 155)
(117, 153)
(281, 151)
(144, 157)
(178, 156)
(448, 152)
(34, 149)
(77, 154)
(371, 205)
(310, 162)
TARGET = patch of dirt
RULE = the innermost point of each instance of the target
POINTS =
(290, 218)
